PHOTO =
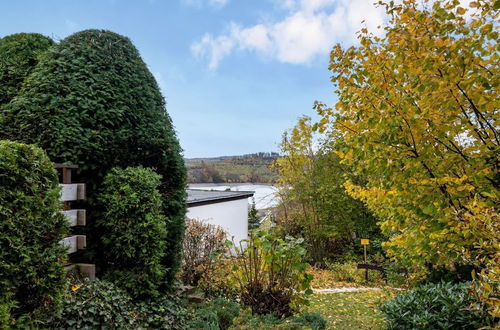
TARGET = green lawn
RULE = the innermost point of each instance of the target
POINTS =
(350, 310)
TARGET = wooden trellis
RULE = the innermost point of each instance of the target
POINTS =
(71, 192)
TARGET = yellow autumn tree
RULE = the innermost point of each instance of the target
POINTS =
(418, 116)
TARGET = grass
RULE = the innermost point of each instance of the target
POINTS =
(351, 310)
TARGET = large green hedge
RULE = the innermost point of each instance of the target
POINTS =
(19, 54)
(32, 278)
(92, 101)
(133, 240)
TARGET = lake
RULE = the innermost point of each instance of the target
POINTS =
(265, 195)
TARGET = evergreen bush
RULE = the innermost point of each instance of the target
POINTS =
(217, 314)
(435, 306)
(91, 101)
(32, 278)
(19, 54)
(133, 240)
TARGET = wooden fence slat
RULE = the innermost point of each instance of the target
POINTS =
(76, 217)
(72, 192)
(86, 269)
(74, 243)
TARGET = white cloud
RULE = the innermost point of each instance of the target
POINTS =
(309, 28)
(218, 2)
(213, 48)
(202, 3)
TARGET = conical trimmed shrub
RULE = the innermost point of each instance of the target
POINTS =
(19, 54)
(92, 101)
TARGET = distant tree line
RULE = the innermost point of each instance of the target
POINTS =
(254, 168)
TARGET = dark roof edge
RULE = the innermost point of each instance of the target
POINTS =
(219, 200)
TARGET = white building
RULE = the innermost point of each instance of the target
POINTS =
(228, 209)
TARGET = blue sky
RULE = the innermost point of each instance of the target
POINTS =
(235, 73)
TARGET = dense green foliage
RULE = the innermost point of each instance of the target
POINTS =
(271, 274)
(203, 319)
(225, 310)
(313, 201)
(32, 278)
(92, 101)
(96, 304)
(19, 54)
(133, 239)
(216, 314)
(162, 312)
(101, 304)
(435, 306)
(254, 168)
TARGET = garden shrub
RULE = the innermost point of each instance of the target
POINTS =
(225, 310)
(435, 306)
(161, 312)
(19, 54)
(311, 321)
(216, 314)
(271, 274)
(204, 319)
(91, 101)
(203, 242)
(32, 277)
(218, 280)
(133, 230)
(96, 305)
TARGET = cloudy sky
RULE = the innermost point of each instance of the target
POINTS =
(235, 73)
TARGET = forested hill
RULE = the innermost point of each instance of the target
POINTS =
(255, 168)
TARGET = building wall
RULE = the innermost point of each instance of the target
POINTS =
(232, 216)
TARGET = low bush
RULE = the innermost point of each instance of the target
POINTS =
(205, 319)
(434, 306)
(133, 230)
(311, 321)
(161, 312)
(101, 304)
(216, 314)
(96, 304)
(247, 321)
(271, 274)
(32, 278)
(225, 310)
(203, 243)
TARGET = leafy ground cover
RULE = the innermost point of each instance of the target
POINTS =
(351, 310)
(347, 277)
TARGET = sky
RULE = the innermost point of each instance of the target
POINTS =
(235, 73)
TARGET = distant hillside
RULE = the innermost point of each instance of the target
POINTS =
(253, 168)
